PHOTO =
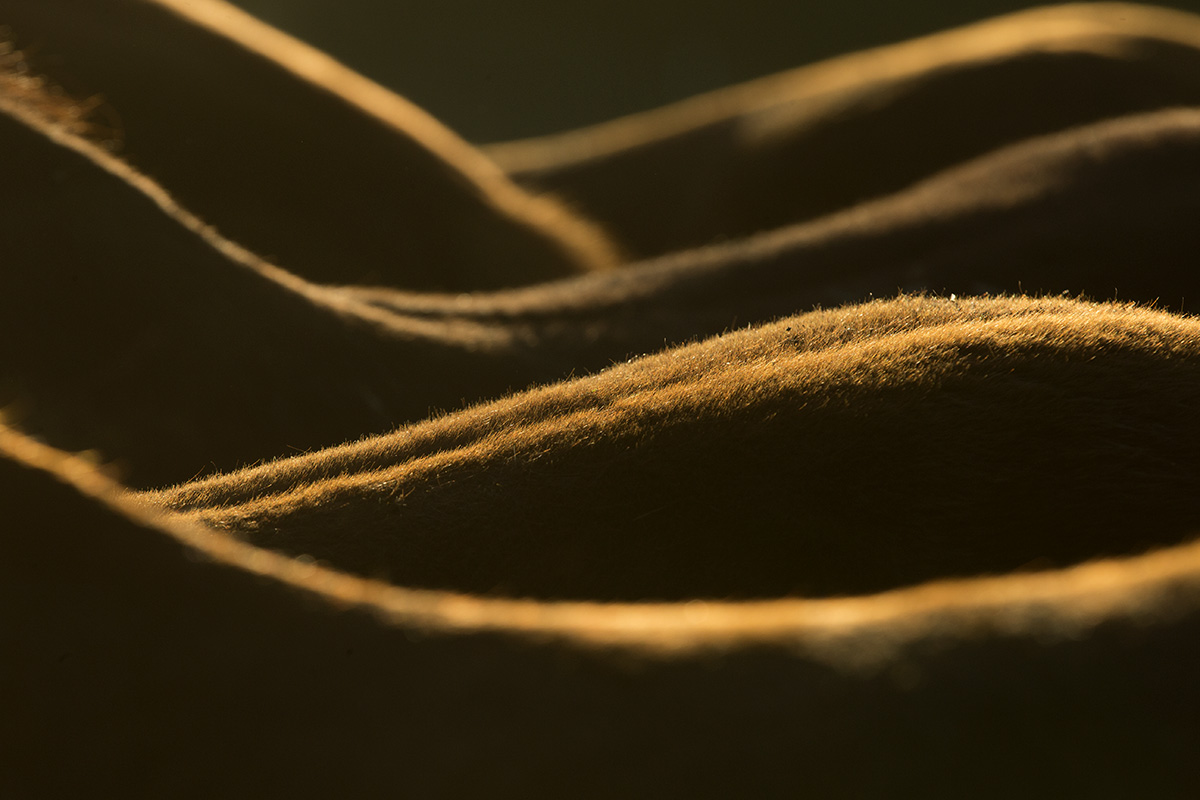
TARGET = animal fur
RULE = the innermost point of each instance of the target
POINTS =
(714, 523)
(391, 209)
(1088, 210)
(151, 656)
(840, 452)
(828, 136)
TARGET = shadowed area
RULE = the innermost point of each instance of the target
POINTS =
(254, 131)
(176, 315)
(495, 73)
(869, 471)
(835, 453)
(240, 669)
(821, 138)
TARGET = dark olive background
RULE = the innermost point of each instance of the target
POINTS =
(495, 70)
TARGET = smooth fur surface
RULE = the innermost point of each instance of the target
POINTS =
(257, 140)
(791, 146)
(840, 452)
(1107, 210)
(158, 658)
(890, 491)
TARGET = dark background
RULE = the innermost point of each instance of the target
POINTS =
(495, 70)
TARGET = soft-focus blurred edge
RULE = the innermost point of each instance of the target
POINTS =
(496, 71)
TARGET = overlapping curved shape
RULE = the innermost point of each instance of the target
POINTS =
(793, 146)
(192, 88)
(891, 492)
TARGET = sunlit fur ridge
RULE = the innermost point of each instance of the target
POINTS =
(161, 592)
(22, 85)
(838, 452)
(296, 106)
(315, 366)
(789, 146)
(863, 477)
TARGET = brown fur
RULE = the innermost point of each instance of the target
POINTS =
(821, 138)
(219, 637)
(21, 84)
(248, 128)
(107, 253)
(840, 452)
(145, 657)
